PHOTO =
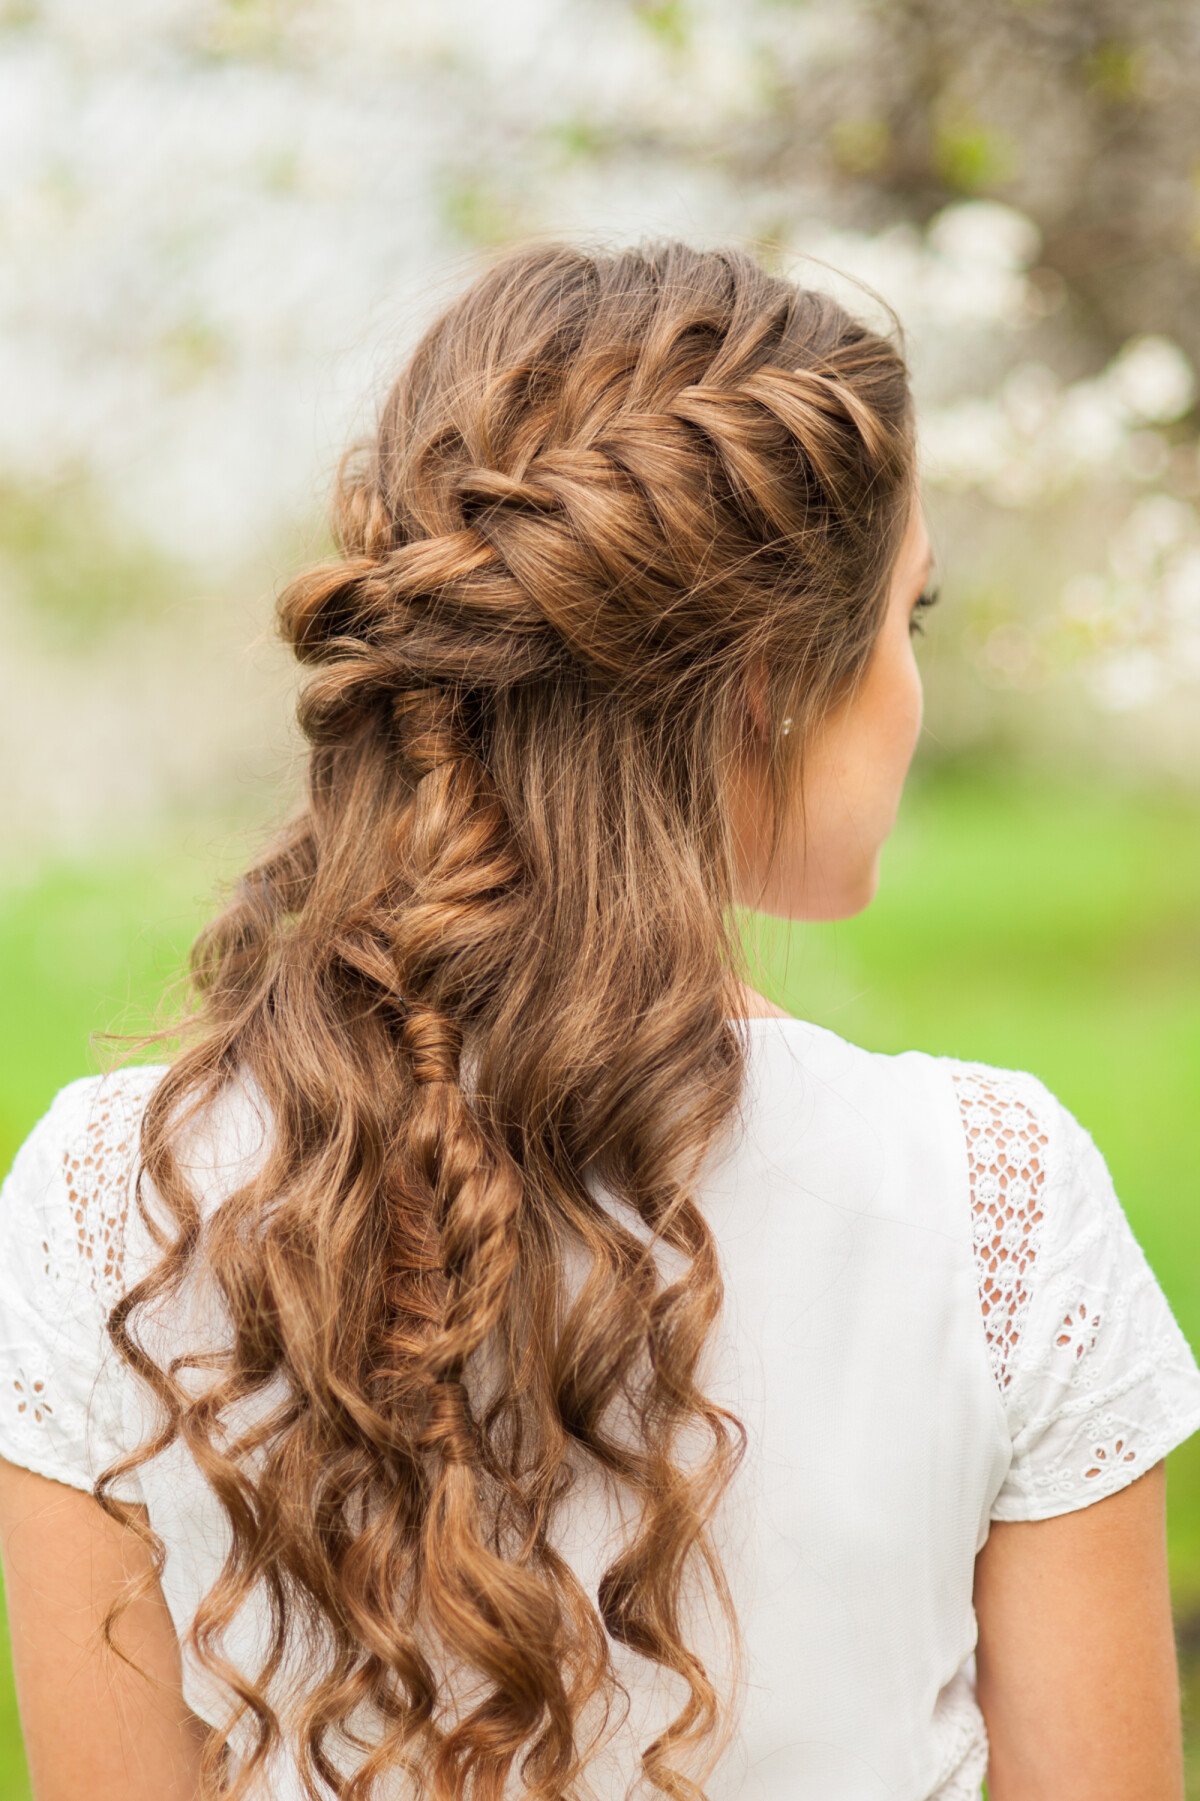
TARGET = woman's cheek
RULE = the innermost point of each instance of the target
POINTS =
(914, 702)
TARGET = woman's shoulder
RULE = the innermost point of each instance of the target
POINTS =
(66, 1190)
(84, 1130)
(1009, 1135)
(1093, 1372)
(979, 1088)
(70, 1186)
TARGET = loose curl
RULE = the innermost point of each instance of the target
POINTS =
(488, 969)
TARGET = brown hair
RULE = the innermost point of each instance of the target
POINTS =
(487, 969)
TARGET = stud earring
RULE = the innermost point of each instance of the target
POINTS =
(786, 727)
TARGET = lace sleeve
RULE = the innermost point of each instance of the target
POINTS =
(63, 1205)
(1096, 1378)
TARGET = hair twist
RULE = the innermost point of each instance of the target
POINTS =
(433, 1042)
(492, 487)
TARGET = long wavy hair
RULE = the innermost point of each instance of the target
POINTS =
(483, 981)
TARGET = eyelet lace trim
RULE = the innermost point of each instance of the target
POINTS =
(82, 1240)
(29, 1397)
(78, 1166)
(97, 1163)
(1096, 1378)
(1006, 1157)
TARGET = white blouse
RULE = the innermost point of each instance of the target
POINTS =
(936, 1315)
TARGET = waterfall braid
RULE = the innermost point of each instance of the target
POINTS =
(485, 971)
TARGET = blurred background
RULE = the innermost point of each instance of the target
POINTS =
(222, 222)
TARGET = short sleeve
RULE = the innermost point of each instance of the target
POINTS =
(1099, 1382)
(62, 1207)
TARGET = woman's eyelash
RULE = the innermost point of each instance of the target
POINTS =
(923, 600)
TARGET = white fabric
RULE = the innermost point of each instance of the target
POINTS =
(936, 1315)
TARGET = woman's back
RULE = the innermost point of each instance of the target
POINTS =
(935, 1316)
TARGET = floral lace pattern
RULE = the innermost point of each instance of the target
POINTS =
(97, 1163)
(58, 1406)
(1006, 1159)
(1096, 1378)
(31, 1396)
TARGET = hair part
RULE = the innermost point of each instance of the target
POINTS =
(482, 982)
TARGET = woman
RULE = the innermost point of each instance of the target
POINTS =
(509, 1355)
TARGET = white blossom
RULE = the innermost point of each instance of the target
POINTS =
(1153, 378)
(984, 233)
(1131, 679)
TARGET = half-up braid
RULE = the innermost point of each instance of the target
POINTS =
(482, 984)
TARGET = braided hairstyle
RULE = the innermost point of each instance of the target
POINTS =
(482, 981)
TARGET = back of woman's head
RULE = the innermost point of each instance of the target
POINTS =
(483, 979)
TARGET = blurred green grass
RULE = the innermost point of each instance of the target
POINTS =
(1027, 920)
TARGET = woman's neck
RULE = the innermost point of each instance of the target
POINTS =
(750, 1004)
